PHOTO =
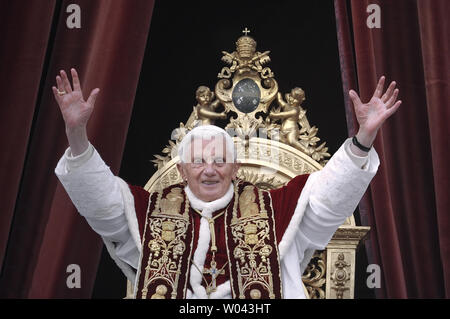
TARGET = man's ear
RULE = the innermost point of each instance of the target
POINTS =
(181, 170)
(236, 167)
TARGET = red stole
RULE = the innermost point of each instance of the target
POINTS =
(252, 248)
(166, 246)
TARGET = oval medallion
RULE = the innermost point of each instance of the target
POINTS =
(246, 95)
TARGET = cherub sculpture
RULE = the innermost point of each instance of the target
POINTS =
(206, 107)
(291, 115)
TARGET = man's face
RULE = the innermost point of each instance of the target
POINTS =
(206, 170)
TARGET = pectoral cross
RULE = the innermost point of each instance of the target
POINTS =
(214, 272)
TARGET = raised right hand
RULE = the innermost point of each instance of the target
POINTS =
(74, 109)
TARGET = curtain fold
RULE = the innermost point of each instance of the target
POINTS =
(407, 203)
(435, 37)
(22, 54)
(107, 51)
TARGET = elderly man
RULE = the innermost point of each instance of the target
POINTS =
(214, 236)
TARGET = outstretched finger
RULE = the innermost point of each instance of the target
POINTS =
(55, 93)
(76, 80)
(391, 101)
(355, 98)
(59, 84)
(379, 89)
(93, 96)
(65, 81)
(393, 109)
(386, 96)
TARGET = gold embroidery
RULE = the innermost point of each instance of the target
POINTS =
(254, 252)
(263, 212)
(160, 292)
(255, 294)
(235, 205)
(247, 204)
(252, 235)
(251, 238)
(167, 230)
(265, 252)
(168, 233)
(155, 245)
(171, 205)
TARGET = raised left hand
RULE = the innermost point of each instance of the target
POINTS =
(373, 114)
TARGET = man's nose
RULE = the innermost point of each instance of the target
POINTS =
(209, 169)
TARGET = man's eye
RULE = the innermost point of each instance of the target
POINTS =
(197, 161)
(219, 161)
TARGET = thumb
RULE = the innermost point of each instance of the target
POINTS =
(93, 96)
(355, 98)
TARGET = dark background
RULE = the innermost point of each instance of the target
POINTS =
(183, 52)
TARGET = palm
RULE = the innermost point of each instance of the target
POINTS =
(74, 109)
(371, 115)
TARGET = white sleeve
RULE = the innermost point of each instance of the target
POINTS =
(99, 196)
(334, 195)
(327, 199)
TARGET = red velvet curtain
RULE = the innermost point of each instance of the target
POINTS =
(40, 230)
(407, 204)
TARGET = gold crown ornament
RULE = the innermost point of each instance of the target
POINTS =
(246, 47)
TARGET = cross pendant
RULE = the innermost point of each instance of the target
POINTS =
(214, 272)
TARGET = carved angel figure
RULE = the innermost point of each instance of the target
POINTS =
(291, 115)
(205, 108)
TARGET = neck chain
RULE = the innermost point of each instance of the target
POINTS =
(213, 271)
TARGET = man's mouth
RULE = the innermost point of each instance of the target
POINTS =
(209, 182)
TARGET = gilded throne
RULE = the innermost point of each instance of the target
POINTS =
(274, 143)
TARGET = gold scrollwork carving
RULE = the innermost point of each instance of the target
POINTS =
(314, 276)
(283, 119)
(260, 180)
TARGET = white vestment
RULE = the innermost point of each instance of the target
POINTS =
(327, 199)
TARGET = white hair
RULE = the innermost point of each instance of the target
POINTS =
(205, 132)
